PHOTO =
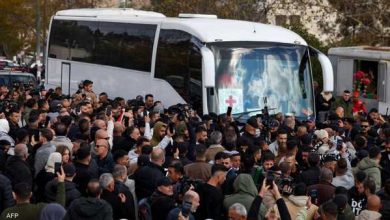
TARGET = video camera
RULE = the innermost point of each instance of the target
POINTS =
(7, 105)
(182, 111)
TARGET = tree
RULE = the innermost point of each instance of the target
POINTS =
(18, 17)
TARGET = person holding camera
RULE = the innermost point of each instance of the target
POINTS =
(268, 185)
(190, 203)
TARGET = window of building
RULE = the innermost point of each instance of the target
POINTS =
(366, 78)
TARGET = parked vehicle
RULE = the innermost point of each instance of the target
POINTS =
(364, 70)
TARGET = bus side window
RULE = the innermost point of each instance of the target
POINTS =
(179, 62)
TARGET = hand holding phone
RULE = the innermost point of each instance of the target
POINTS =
(57, 167)
(229, 111)
(186, 209)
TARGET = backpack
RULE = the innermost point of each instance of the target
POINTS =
(145, 209)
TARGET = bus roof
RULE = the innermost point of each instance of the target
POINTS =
(206, 28)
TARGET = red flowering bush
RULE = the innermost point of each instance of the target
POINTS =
(358, 75)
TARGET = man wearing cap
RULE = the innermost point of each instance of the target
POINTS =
(345, 102)
(162, 200)
(249, 134)
(322, 137)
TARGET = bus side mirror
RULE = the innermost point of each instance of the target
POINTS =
(327, 70)
(208, 67)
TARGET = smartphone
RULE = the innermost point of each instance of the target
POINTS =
(339, 146)
(313, 196)
(57, 167)
(229, 111)
(36, 136)
(171, 126)
(109, 110)
(186, 209)
(270, 180)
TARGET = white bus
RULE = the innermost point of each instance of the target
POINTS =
(207, 62)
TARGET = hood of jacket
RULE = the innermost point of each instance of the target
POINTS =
(299, 201)
(369, 215)
(4, 126)
(89, 207)
(156, 133)
(367, 163)
(244, 184)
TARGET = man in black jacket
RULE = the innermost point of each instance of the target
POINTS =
(118, 201)
(311, 176)
(91, 207)
(86, 168)
(71, 192)
(211, 197)
(120, 177)
(17, 169)
(162, 200)
(6, 199)
(147, 176)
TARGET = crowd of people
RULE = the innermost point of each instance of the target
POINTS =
(88, 157)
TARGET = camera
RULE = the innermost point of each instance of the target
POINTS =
(7, 105)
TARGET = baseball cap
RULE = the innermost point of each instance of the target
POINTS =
(252, 121)
(69, 169)
(165, 181)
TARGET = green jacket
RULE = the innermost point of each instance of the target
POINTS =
(244, 193)
(372, 170)
(28, 211)
(347, 106)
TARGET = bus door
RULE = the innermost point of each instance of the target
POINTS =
(65, 77)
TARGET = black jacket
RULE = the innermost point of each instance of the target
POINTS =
(124, 143)
(385, 164)
(161, 204)
(385, 199)
(17, 170)
(120, 210)
(311, 176)
(41, 180)
(211, 205)
(84, 173)
(89, 208)
(105, 165)
(146, 179)
(120, 187)
(71, 192)
(6, 198)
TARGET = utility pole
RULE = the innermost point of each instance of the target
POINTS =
(38, 42)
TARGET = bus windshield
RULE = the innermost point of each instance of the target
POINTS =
(247, 73)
